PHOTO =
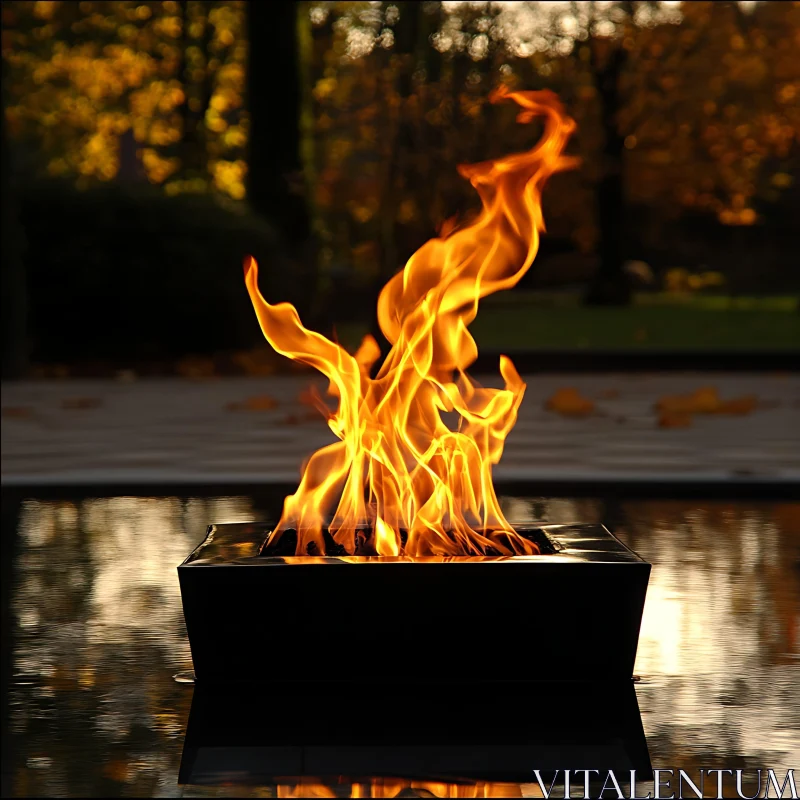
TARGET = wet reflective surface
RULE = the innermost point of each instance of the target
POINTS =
(93, 634)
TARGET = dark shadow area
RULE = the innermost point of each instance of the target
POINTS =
(447, 732)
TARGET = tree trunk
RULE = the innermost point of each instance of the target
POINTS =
(320, 315)
(610, 285)
(14, 291)
(275, 177)
(193, 151)
(392, 255)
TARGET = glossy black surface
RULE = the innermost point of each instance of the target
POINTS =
(473, 732)
(393, 610)
(93, 633)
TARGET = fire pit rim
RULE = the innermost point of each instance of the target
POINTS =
(572, 543)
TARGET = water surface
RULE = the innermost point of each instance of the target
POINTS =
(93, 635)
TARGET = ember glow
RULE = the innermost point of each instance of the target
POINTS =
(417, 485)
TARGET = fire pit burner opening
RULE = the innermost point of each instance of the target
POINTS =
(286, 544)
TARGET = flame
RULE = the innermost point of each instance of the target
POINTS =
(425, 488)
(394, 787)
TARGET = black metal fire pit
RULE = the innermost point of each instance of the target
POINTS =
(571, 613)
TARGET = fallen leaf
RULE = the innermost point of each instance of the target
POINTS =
(81, 403)
(706, 401)
(195, 368)
(126, 376)
(702, 401)
(570, 403)
(608, 394)
(739, 405)
(262, 402)
(675, 419)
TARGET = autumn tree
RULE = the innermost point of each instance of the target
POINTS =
(392, 113)
(679, 107)
(96, 87)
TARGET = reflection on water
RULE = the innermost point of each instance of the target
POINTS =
(98, 635)
(396, 788)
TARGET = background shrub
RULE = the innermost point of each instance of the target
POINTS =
(116, 272)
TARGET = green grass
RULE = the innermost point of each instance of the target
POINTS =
(518, 322)
(715, 302)
(706, 302)
(517, 328)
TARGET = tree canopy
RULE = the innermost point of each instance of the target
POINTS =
(100, 90)
(701, 100)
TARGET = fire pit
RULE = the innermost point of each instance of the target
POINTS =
(569, 613)
(393, 558)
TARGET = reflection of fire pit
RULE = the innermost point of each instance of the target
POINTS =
(468, 733)
(569, 612)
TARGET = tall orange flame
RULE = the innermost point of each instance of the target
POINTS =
(398, 467)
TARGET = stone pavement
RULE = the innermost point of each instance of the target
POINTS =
(174, 431)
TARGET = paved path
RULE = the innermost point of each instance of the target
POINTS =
(176, 431)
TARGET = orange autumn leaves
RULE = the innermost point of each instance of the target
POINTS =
(678, 411)
(672, 411)
(308, 407)
(102, 89)
(569, 402)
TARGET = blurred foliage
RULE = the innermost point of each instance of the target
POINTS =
(709, 112)
(396, 96)
(681, 281)
(126, 274)
(124, 89)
